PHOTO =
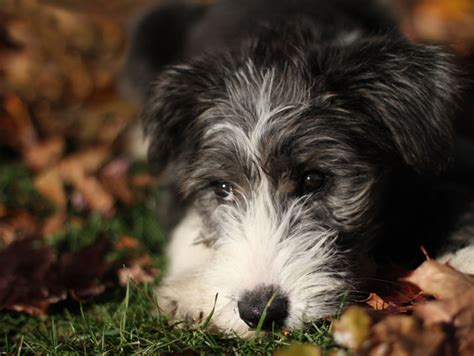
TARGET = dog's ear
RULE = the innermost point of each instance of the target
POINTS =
(412, 91)
(178, 97)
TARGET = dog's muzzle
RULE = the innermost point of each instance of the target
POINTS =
(263, 298)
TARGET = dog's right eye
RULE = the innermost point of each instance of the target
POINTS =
(312, 182)
(223, 189)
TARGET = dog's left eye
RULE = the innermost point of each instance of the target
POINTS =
(312, 182)
(223, 189)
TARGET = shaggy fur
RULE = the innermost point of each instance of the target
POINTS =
(259, 98)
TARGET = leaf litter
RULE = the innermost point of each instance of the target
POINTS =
(62, 118)
(440, 325)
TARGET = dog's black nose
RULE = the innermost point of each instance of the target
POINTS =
(253, 303)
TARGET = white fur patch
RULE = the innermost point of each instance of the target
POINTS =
(462, 259)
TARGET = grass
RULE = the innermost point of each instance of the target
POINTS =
(123, 321)
(127, 326)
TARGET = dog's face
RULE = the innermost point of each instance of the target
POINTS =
(284, 150)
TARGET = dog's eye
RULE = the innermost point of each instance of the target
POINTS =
(222, 189)
(312, 181)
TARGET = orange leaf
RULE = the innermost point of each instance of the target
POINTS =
(95, 194)
(44, 154)
(376, 302)
(50, 185)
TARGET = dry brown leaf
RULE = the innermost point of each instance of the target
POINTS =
(126, 242)
(353, 328)
(53, 223)
(396, 303)
(84, 273)
(19, 224)
(404, 335)
(440, 280)
(3, 210)
(7, 234)
(297, 349)
(95, 195)
(90, 159)
(61, 49)
(103, 120)
(447, 21)
(71, 170)
(139, 270)
(455, 312)
(25, 270)
(16, 128)
(38, 308)
(74, 168)
(50, 185)
(19, 69)
(376, 302)
(459, 311)
(44, 154)
(443, 19)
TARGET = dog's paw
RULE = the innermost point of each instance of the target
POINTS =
(173, 303)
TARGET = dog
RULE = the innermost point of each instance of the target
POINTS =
(298, 141)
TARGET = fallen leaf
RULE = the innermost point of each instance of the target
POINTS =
(297, 349)
(82, 273)
(440, 280)
(18, 224)
(43, 154)
(71, 170)
(353, 328)
(7, 234)
(126, 242)
(95, 195)
(447, 21)
(376, 302)
(397, 303)
(455, 313)
(53, 223)
(139, 270)
(405, 335)
(50, 185)
(3, 210)
(33, 277)
(25, 269)
(87, 161)
(390, 294)
(16, 128)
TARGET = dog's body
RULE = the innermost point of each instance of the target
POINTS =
(298, 138)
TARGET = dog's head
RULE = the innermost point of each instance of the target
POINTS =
(283, 147)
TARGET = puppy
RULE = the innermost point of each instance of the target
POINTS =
(296, 140)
